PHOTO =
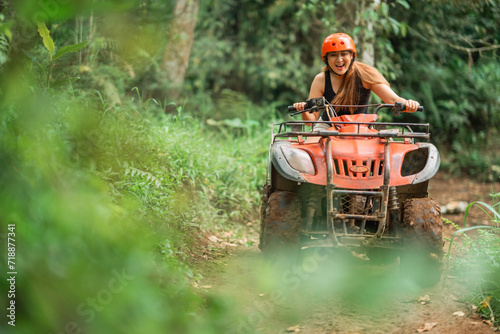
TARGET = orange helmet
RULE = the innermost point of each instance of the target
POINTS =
(337, 42)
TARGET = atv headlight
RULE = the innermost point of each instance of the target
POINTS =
(423, 162)
(414, 161)
(298, 160)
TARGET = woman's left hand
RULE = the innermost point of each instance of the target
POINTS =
(411, 106)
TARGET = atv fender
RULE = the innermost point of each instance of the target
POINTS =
(432, 165)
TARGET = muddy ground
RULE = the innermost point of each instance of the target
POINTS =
(342, 293)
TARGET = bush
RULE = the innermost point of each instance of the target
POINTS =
(109, 205)
(479, 261)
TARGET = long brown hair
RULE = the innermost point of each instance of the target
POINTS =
(358, 73)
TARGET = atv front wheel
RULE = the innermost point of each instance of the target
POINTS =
(281, 223)
(421, 259)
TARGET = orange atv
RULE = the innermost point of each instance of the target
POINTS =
(360, 185)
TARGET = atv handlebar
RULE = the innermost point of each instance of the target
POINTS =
(312, 105)
(397, 108)
(319, 103)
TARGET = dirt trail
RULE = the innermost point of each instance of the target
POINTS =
(309, 299)
(339, 293)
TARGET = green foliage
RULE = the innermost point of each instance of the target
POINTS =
(126, 49)
(5, 38)
(252, 52)
(478, 259)
(466, 127)
(48, 42)
(109, 201)
(69, 49)
(451, 66)
(63, 10)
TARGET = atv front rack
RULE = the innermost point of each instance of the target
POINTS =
(397, 130)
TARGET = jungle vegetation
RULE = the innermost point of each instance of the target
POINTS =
(130, 129)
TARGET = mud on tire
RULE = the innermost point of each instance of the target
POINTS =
(281, 222)
(421, 228)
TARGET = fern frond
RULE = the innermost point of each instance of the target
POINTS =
(4, 49)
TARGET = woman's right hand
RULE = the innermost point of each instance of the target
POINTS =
(299, 106)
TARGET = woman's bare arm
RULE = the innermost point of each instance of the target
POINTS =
(317, 90)
(390, 97)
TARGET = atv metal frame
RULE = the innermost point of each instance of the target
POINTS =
(381, 203)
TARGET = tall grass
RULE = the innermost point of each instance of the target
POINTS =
(478, 260)
(110, 204)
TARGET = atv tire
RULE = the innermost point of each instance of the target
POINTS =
(421, 228)
(280, 225)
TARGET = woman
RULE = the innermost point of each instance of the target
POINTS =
(345, 81)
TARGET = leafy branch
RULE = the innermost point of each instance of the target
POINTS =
(48, 42)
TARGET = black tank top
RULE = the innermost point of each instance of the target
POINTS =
(363, 97)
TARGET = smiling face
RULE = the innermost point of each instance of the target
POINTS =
(339, 61)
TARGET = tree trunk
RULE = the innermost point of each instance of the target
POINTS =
(367, 39)
(180, 39)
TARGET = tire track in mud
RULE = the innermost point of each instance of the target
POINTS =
(329, 292)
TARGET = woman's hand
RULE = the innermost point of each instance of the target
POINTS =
(388, 96)
(299, 106)
(411, 106)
